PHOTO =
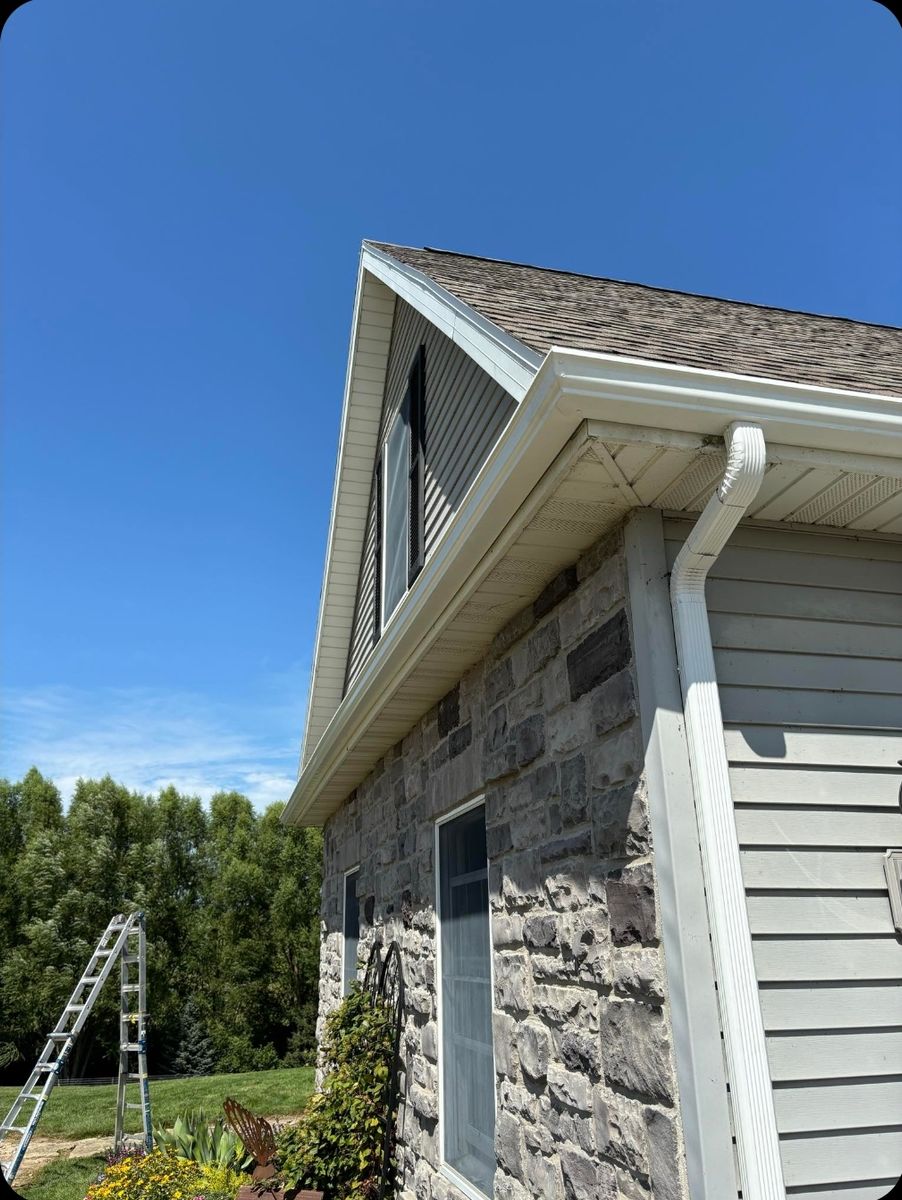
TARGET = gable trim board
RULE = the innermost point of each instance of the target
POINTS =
(380, 279)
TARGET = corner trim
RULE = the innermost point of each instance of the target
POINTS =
(694, 1016)
(751, 1090)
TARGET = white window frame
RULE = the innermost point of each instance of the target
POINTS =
(445, 1169)
(385, 616)
(345, 981)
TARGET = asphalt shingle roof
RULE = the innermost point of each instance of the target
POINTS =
(542, 307)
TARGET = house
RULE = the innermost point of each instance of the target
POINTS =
(605, 727)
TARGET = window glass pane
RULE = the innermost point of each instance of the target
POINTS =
(351, 932)
(394, 540)
(468, 1069)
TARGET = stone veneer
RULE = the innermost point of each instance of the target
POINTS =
(546, 727)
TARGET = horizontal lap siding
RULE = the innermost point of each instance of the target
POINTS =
(807, 633)
(466, 412)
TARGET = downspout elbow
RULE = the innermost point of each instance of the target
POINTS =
(746, 456)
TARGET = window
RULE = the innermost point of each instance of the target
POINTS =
(399, 490)
(351, 930)
(467, 1067)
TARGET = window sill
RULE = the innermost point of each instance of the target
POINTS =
(470, 1190)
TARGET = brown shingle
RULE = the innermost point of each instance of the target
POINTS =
(542, 308)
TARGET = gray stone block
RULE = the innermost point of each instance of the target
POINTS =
(605, 651)
(542, 646)
(529, 738)
(636, 1048)
(663, 1155)
(632, 909)
(620, 822)
(460, 739)
(554, 592)
(533, 1049)
(449, 712)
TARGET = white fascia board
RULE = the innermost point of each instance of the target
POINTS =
(569, 387)
(508, 361)
(333, 511)
(610, 388)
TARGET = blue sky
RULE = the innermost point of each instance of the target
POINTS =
(185, 185)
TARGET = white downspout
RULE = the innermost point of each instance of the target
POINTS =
(760, 1168)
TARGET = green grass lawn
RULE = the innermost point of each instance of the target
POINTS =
(80, 1112)
(66, 1179)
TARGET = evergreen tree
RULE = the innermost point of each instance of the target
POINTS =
(195, 1053)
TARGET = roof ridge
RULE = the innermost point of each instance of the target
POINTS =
(649, 287)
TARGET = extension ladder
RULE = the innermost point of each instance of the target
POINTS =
(123, 939)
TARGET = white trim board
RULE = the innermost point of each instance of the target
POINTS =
(701, 1081)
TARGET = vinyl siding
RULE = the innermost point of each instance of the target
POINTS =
(807, 632)
(466, 410)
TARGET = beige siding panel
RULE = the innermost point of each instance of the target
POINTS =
(745, 632)
(842, 710)
(820, 787)
(836, 913)
(814, 870)
(823, 1107)
(846, 1055)
(797, 827)
(791, 959)
(841, 1158)
(855, 1005)
(813, 747)
(809, 671)
(809, 603)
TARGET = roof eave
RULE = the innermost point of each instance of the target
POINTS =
(571, 387)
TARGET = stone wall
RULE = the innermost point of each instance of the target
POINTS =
(546, 728)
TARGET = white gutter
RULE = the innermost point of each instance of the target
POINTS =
(760, 1168)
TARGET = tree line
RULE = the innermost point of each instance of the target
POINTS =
(231, 898)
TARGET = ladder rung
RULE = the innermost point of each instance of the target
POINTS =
(45, 1066)
(139, 1107)
(132, 1047)
(89, 979)
(129, 959)
(31, 1096)
(13, 1128)
(102, 953)
(74, 1007)
(130, 987)
(60, 1035)
(132, 1076)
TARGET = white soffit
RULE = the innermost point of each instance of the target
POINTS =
(380, 279)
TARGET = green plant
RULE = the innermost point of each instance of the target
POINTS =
(161, 1175)
(194, 1137)
(337, 1145)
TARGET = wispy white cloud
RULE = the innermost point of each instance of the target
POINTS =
(148, 739)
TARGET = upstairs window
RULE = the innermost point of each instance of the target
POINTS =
(399, 496)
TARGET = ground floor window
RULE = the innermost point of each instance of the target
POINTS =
(351, 929)
(467, 1118)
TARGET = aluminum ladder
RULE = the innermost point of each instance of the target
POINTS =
(123, 940)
